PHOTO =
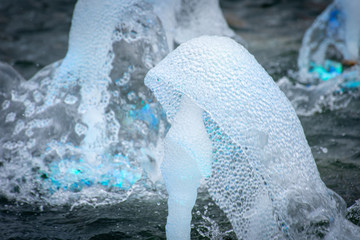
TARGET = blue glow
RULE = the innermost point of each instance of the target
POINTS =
(146, 114)
(351, 84)
(330, 70)
(334, 23)
(333, 69)
(74, 175)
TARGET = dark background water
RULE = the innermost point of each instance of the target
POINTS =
(34, 33)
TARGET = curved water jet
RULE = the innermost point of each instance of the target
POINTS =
(263, 173)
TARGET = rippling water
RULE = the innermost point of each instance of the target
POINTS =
(34, 33)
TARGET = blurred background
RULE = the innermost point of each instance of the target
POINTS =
(34, 33)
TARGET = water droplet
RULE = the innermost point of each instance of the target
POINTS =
(37, 96)
(19, 127)
(131, 95)
(31, 143)
(123, 80)
(105, 98)
(148, 61)
(324, 149)
(133, 34)
(10, 117)
(80, 129)
(5, 104)
(29, 132)
(70, 99)
(83, 108)
(30, 108)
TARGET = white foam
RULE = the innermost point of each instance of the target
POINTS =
(74, 113)
(262, 165)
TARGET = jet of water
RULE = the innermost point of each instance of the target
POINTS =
(263, 174)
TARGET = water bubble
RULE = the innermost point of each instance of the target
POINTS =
(30, 108)
(83, 108)
(29, 132)
(131, 96)
(70, 99)
(131, 68)
(324, 149)
(10, 117)
(37, 96)
(147, 58)
(148, 61)
(5, 105)
(105, 98)
(20, 125)
(31, 143)
(141, 127)
(80, 129)
(110, 116)
(133, 34)
(9, 145)
(117, 35)
(123, 80)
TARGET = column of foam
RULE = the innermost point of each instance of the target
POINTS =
(187, 158)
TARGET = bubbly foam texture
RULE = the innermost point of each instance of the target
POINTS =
(75, 125)
(263, 173)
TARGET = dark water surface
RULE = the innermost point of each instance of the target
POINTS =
(34, 33)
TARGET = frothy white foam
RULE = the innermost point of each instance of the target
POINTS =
(263, 173)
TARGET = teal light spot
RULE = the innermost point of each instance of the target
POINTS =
(330, 69)
(351, 84)
(104, 182)
(146, 114)
(75, 171)
(74, 174)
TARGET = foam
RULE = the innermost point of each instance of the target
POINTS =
(74, 125)
(263, 173)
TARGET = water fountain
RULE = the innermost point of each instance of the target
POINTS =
(263, 174)
(87, 120)
(331, 45)
(83, 129)
(328, 62)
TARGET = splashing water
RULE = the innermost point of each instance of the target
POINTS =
(331, 43)
(86, 123)
(329, 72)
(263, 173)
